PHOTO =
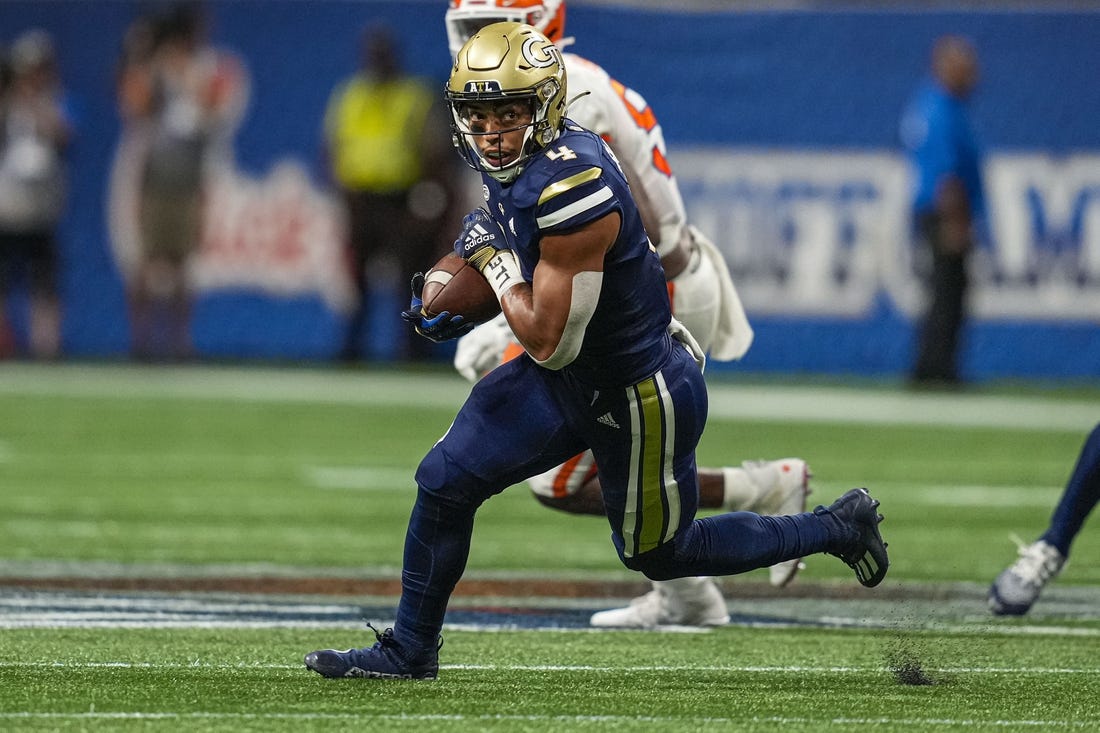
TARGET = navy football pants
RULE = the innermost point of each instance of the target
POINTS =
(1080, 496)
(521, 420)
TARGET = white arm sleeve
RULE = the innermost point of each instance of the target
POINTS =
(586, 294)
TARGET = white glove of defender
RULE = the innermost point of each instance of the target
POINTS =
(681, 334)
(482, 349)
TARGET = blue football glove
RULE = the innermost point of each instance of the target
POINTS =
(442, 327)
(480, 239)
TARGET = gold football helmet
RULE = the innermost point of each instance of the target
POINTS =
(466, 17)
(507, 62)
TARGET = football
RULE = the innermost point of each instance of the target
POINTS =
(454, 286)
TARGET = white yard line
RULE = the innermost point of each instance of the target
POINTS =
(59, 609)
(852, 406)
(728, 400)
(616, 669)
(360, 478)
(1042, 497)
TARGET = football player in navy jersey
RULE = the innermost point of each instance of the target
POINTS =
(606, 367)
(701, 293)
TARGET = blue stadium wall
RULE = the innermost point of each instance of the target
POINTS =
(781, 126)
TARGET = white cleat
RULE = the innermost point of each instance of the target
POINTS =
(1018, 586)
(680, 602)
(785, 484)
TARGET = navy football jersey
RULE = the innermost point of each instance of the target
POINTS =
(574, 181)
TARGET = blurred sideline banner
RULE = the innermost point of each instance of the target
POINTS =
(824, 233)
(781, 127)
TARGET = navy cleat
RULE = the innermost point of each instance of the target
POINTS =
(861, 546)
(385, 660)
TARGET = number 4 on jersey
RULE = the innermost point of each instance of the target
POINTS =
(562, 153)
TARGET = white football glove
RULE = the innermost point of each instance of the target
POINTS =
(482, 349)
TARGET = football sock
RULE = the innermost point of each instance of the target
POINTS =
(741, 492)
(736, 542)
(1080, 496)
(437, 545)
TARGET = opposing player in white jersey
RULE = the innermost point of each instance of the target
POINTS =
(702, 295)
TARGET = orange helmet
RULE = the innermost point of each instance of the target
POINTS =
(466, 17)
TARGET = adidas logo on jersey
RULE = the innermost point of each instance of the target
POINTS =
(606, 419)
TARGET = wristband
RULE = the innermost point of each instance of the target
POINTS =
(500, 268)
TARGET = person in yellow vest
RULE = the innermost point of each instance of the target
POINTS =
(386, 144)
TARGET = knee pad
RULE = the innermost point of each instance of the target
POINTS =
(659, 563)
(670, 560)
(444, 480)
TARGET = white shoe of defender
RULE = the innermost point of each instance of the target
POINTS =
(1018, 586)
(683, 602)
(786, 484)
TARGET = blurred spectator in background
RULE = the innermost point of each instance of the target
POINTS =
(176, 94)
(948, 196)
(35, 131)
(386, 141)
(1018, 586)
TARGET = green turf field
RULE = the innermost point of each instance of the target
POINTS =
(112, 475)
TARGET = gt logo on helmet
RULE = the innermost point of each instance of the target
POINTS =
(540, 54)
